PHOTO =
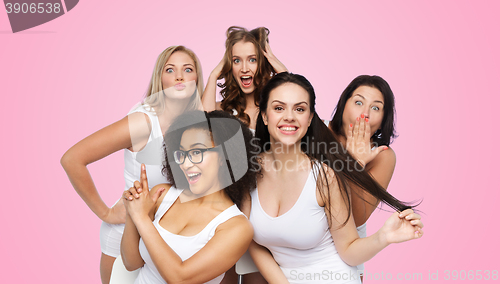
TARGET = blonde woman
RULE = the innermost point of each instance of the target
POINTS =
(175, 86)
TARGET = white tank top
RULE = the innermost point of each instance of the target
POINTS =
(184, 246)
(300, 240)
(151, 155)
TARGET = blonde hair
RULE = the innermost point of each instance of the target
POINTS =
(155, 97)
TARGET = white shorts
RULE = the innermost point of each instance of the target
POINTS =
(111, 238)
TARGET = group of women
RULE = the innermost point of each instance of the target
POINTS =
(199, 192)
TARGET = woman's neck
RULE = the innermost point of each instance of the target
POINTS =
(286, 158)
(250, 101)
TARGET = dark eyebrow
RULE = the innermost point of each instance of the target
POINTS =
(252, 55)
(365, 99)
(360, 96)
(303, 102)
(193, 146)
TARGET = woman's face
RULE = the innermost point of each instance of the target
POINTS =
(203, 178)
(244, 65)
(368, 101)
(288, 114)
(179, 76)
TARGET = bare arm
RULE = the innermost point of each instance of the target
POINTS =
(275, 63)
(129, 248)
(95, 147)
(380, 163)
(353, 250)
(268, 267)
(381, 169)
(209, 95)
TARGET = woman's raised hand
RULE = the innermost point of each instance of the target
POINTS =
(218, 69)
(277, 65)
(359, 141)
(138, 200)
(402, 226)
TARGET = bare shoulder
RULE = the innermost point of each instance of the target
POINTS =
(327, 174)
(153, 190)
(386, 158)
(137, 121)
(238, 225)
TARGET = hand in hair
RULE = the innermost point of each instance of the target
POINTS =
(218, 69)
(402, 227)
(138, 200)
(209, 95)
(359, 144)
(277, 65)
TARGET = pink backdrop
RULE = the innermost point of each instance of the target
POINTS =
(65, 79)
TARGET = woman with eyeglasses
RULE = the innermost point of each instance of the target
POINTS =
(192, 231)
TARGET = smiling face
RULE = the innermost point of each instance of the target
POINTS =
(288, 114)
(368, 101)
(179, 76)
(244, 65)
(203, 178)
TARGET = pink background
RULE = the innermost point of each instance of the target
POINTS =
(65, 79)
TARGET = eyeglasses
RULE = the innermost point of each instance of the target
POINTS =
(194, 155)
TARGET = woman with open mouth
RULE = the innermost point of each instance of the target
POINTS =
(301, 207)
(248, 64)
(191, 231)
(175, 86)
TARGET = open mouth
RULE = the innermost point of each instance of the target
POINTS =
(193, 177)
(246, 81)
(288, 130)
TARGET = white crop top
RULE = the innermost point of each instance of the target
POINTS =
(151, 155)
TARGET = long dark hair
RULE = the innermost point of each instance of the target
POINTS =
(232, 95)
(236, 150)
(387, 133)
(319, 135)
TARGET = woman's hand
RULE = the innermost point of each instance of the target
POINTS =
(402, 227)
(216, 73)
(209, 95)
(116, 214)
(277, 65)
(138, 202)
(359, 142)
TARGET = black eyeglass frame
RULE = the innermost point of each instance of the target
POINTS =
(187, 154)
